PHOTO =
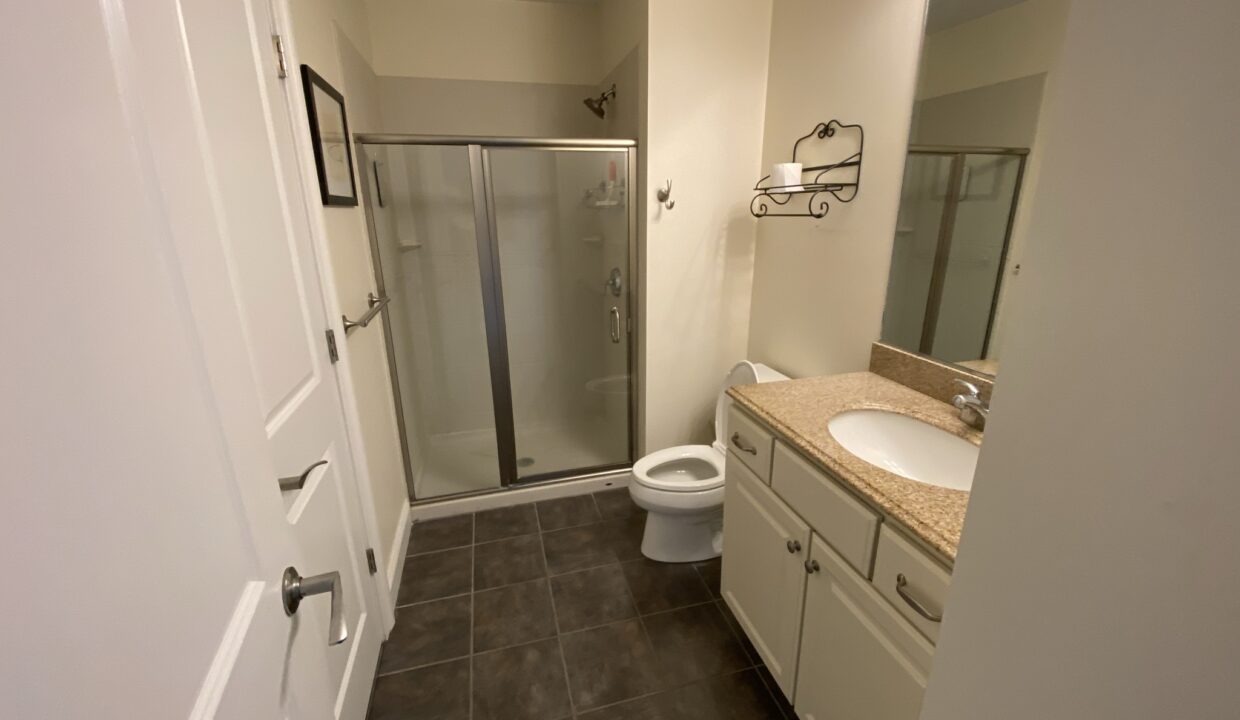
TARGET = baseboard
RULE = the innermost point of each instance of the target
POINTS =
(396, 557)
(503, 498)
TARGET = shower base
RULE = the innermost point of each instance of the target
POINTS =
(468, 462)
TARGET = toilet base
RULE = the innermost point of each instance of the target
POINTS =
(681, 537)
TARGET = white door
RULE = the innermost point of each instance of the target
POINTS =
(164, 366)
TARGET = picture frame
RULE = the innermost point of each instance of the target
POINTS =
(329, 134)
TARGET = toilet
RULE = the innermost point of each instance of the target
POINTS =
(681, 487)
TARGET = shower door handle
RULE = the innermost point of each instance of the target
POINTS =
(615, 324)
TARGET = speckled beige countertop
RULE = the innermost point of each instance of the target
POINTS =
(798, 411)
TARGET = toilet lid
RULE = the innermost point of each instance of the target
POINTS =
(684, 468)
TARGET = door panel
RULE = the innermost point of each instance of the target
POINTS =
(425, 245)
(276, 291)
(764, 546)
(252, 284)
(867, 662)
(561, 219)
(141, 521)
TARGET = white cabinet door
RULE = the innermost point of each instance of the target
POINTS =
(859, 659)
(764, 548)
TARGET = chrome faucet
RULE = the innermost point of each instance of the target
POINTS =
(973, 410)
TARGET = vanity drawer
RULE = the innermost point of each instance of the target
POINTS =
(750, 442)
(845, 523)
(925, 585)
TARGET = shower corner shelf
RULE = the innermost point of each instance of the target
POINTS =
(602, 198)
(814, 192)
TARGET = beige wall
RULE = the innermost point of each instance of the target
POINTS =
(1001, 115)
(502, 40)
(438, 106)
(506, 67)
(1097, 572)
(819, 285)
(322, 32)
(989, 55)
(704, 132)
(1015, 42)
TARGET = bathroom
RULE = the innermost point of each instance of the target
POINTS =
(606, 359)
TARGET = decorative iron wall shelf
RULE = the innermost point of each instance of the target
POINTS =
(810, 199)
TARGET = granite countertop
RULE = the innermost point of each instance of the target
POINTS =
(798, 411)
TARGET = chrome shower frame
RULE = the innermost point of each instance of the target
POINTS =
(493, 304)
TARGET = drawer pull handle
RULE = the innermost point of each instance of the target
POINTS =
(811, 566)
(901, 584)
(740, 444)
(794, 546)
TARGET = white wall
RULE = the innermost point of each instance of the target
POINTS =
(321, 34)
(819, 285)
(704, 131)
(1097, 575)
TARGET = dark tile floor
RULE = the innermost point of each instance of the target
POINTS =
(548, 611)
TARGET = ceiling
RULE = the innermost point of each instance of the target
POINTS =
(945, 14)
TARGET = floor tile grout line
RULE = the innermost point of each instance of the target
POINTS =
(775, 693)
(640, 621)
(422, 666)
(488, 651)
(472, 605)
(679, 686)
(435, 599)
(555, 617)
(740, 637)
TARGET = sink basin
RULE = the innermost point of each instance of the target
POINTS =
(907, 447)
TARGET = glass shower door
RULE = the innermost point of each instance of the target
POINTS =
(987, 200)
(425, 243)
(956, 210)
(923, 198)
(563, 220)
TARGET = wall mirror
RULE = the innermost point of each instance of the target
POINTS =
(959, 233)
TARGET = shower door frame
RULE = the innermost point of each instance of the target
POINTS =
(947, 229)
(487, 237)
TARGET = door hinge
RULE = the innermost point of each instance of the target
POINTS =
(281, 60)
(332, 351)
(371, 562)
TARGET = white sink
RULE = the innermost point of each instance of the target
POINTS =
(907, 447)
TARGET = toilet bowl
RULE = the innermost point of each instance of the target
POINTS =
(681, 488)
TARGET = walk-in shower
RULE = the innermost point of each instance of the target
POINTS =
(508, 265)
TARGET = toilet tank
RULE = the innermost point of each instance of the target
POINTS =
(743, 373)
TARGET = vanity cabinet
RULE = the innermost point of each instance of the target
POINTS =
(763, 569)
(843, 609)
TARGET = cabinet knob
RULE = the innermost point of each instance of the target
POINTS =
(811, 566)
(794, 546)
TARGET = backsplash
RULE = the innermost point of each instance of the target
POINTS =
(924, 374)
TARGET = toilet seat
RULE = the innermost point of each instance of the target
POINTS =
(683, 468)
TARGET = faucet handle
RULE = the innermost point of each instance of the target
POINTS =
(970, 387)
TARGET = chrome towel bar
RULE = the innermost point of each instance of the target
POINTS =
(376, 305)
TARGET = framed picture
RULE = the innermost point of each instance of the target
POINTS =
(329, 132)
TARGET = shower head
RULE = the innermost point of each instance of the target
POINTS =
(598, 105)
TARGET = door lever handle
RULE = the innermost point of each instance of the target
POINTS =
(297, 482)
(295, 588)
